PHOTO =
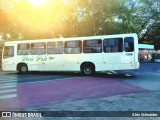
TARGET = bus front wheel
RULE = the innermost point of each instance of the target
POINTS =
(23, 69)
(88, 69)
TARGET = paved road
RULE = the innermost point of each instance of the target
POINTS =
(19, 92)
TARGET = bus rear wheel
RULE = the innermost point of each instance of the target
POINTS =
(88, 69)
(23, 69)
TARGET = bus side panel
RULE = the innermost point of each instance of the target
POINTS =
(118, 61)
(95, 58)
(72, 62)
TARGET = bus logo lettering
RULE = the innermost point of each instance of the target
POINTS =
(26, 58)
(41, 58)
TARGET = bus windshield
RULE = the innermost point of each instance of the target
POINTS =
(8, 52)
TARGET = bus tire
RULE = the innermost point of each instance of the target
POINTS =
(88, 69)
(23, 69)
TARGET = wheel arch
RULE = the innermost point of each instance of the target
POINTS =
(21, 63)
(88, 63)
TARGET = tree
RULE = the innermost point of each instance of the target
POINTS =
(67, 18)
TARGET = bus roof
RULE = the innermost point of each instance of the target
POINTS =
(73, 38)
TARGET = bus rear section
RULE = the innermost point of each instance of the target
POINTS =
(120, 53)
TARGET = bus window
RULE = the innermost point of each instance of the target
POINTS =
(38, 48)
(113, 45)
(55, 47)
(129, 44)
(92, 46)
(73, 47)
(8, 52)
(23, 49)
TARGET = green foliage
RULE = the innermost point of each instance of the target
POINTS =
(20, 19)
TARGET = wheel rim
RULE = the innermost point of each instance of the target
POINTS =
(24, 69)
(87, 70)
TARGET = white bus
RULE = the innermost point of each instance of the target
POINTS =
(85, 54)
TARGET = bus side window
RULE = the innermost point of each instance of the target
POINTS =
(129, 44)
(23, 49)
(73, 47)
(38, 48)
(92, 46)
(8, 52)
(55, 47)
(113, 45)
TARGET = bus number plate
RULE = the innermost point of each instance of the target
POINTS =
(129, 54)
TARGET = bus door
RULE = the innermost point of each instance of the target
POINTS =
(8, 58)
